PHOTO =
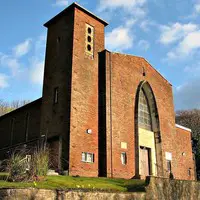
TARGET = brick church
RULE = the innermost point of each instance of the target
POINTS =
(103, 113)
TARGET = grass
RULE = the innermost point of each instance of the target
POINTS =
(68, 182)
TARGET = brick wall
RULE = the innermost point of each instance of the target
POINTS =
(184, 157)
(96, 92)
(84, 100)
(124, 73)
(55, 117)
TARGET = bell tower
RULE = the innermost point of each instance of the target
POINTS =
(69, 116)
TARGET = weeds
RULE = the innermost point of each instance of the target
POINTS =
(40, 162)
(26, 166)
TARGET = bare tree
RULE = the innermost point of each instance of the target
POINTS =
(191, 119)
(6, 107)
(18, 103)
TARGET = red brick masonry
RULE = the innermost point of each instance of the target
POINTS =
(99, 93)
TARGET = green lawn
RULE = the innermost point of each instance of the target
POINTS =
(67, 182)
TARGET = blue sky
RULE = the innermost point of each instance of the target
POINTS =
(166, 33)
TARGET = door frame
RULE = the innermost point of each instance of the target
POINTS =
(149, 159)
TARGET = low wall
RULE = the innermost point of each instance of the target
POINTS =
(156, 189)
(40, 194)
(166, 189)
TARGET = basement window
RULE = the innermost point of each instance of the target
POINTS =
(87, 157)
(123, 158)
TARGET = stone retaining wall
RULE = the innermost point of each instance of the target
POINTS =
(166, 189)
(40, 194)
(156, 189)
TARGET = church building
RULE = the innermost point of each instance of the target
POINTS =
(103, 113)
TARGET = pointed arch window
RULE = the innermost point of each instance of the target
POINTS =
(144, 115)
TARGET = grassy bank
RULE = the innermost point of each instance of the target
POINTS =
(67, 182)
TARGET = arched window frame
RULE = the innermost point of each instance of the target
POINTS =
(144, 113)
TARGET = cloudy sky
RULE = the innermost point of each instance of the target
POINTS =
(166, 33)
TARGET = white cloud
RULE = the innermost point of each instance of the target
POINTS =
(119, 39)
(3, 81)
(22, 48)
(133, 8)
(130, 22)
(189, 45)
(184, 37)
(175, 32)
(146, 24)
(197, 8)
(37, 71)
(144, 45)
(19, 68)
(193, 69)
(10, 62)
(61, 3)
(127, 4)
(196, 11)
(187, 95)
(122, 37)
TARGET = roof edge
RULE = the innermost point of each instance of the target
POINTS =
(145, 61)
(183, 127)
(75, 5)
(20, 108)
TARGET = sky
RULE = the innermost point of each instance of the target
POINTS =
(166, 33)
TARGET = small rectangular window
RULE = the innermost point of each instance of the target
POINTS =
(189, 172)
(83, 157)
(87, 157)
(26, 126)
(12, 130)
(123, 158)
(169, 166)
(55, 99)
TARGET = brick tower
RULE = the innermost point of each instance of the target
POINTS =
(69, 116)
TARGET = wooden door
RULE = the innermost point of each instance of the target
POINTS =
(54, 154)
(144, 162)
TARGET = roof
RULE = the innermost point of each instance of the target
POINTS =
(22, 107)
(183, 127)
(72, 6)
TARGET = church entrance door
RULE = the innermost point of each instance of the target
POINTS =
(144, 162)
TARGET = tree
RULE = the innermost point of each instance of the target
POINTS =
(191, 119)
(6, 107)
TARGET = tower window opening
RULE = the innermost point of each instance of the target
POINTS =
(89, 47)
(89, 40)
(89, 30)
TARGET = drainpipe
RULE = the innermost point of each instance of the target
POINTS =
(111, 154)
